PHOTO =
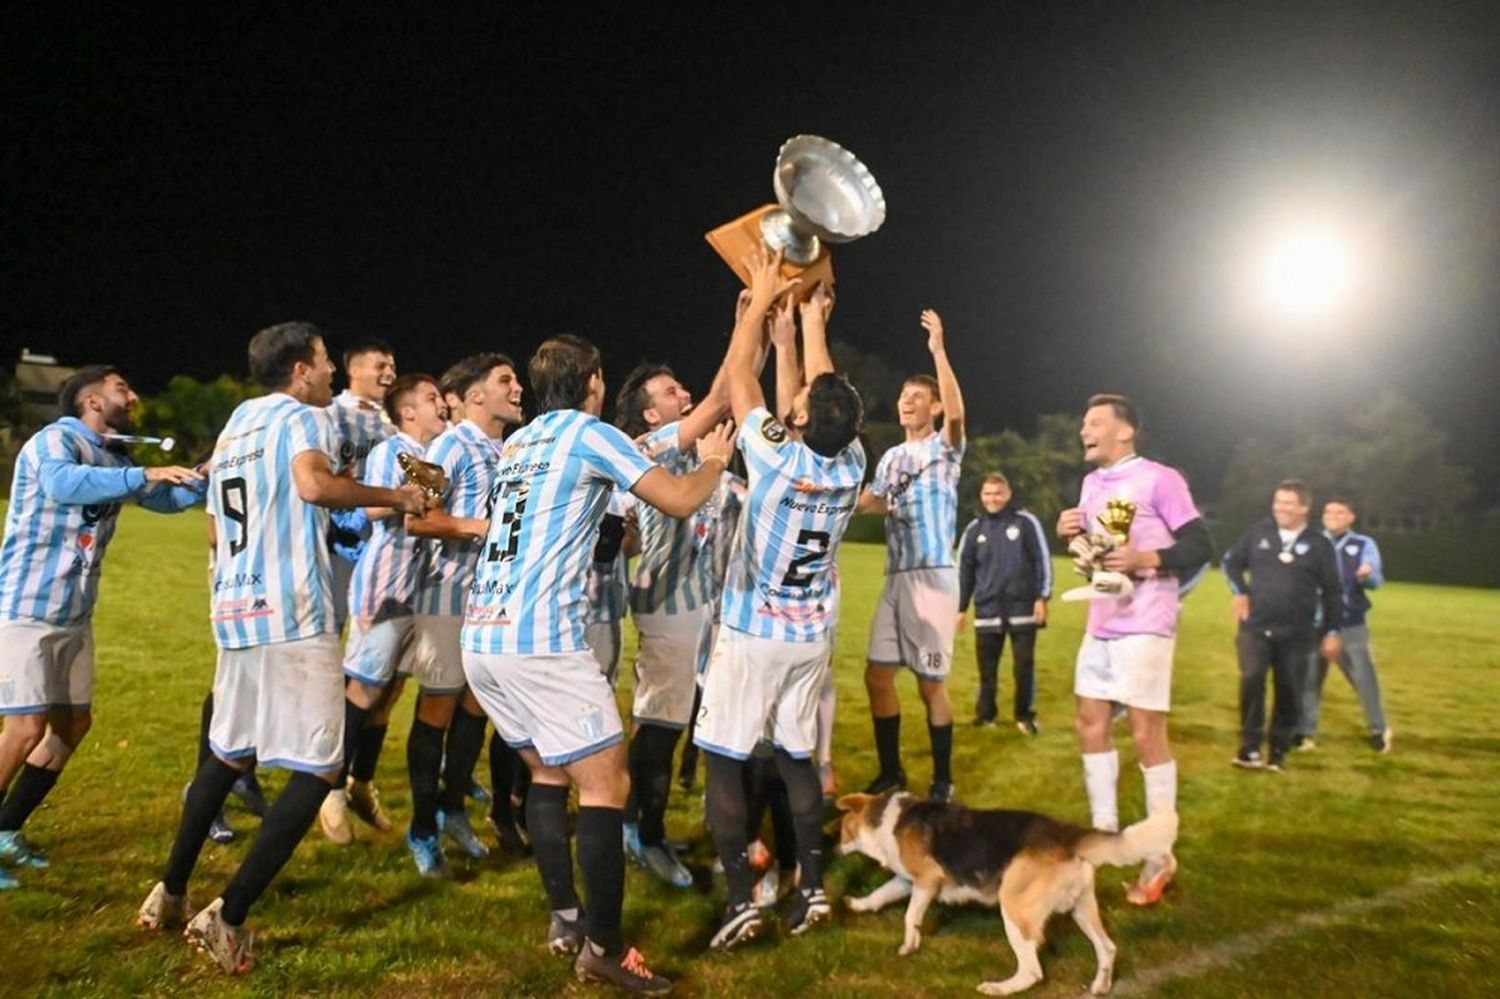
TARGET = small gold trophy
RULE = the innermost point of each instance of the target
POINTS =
(426, 476)
(1089, 551)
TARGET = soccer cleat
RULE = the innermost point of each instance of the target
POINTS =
(364, 801)
(455, 825)
(631, 840)
(660, 862)
(509, 836)
(1248, 759)
(982, 722)
(741, 923)
(219, 830)
(7, 880)
(564, 935)
(478, 792)
(768, 888)
(229, 946)
(887, 782)
(1028, 726)
(333, 816)
(629, 972)
(1277, 763)
(941, 791)
(1303, 744)
(247, 789)
(1381, 741)
(18, 853)
(809, 908)
(1156, 874)
(162, 910)
(427, 854)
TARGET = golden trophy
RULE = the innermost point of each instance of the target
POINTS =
(824, 194)
(1089, 551)
(426, 476)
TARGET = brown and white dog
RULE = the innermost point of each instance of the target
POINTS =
(1029, 865)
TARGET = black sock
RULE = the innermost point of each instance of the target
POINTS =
(519, 793)
(757, 773)
(804, 793)
(602, 860)
(424, 762)
(784, 823)
(942, 752)
(633, 768)
(285, 825)
(726, 819)
(367, 752)
(547, 821)
(888, 744)
(26, 793)
(504, 762)
(653, 780)
(205, 799)
(354, 722)
(465, 740)
(205, 718)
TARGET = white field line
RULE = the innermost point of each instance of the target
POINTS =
(1248, 945)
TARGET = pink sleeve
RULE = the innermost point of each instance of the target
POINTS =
(1173, 501)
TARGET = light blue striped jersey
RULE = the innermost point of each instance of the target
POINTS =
(385, 577)
(672, 572)
(530, 593)
(919, 482)
(271, 577)
(469, 457)
(782, 582)
(727, 503)
(357, 426)
(609, 582)
(65, 494)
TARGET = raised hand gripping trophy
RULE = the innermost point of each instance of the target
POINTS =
(1089, 551)
(825, 196)
(426, 476)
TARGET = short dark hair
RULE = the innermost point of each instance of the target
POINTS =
(1124, 409)
(275, 350)
(633, 400)
(560, 371)
(360, 347)
(1342, 499)
(401, 389)
(1294, 486)
(472, 369)
(84, 377)
(835, 413)
(927, 382)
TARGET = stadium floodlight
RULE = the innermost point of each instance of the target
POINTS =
(1307, 272)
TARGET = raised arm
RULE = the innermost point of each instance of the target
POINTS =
(788, 363)
(815, 313)
(948, 390)
(744, 344)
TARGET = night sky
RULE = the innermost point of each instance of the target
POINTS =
(1078, 188)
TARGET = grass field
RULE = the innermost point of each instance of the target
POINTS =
(1352, 874)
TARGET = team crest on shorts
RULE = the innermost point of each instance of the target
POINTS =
(590, 722)
(773, 431)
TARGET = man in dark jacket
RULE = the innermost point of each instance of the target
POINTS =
(1292, 574)
(1004, 568)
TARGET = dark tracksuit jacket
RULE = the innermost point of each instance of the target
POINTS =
(1286, 597)
(1004, 568)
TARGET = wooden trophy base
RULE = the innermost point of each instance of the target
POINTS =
(735, 240)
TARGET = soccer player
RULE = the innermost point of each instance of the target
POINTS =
(525, 654)
(377, 657)
(780, 602)
(1360, 570)
(916, 487)
(669, 601)
(1005, 569)
(69, 484)
(278, 688)
(447, 731)
(1126, 655)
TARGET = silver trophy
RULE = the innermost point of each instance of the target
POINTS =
(824, 195)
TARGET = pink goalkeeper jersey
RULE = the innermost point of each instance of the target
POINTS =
(1162, 505)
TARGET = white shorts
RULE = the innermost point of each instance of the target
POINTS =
(282, 704)
(438, 662)
(45, 665)
(560, 705)
(378, 651)
(603, 639)
(1135, 670)
(761, 688)
(915, 622)
(666, 665)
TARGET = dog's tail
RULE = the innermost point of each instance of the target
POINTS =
(1149, 838)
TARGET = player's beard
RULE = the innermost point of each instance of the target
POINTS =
(120, 420)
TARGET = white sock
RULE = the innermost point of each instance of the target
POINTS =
(1101, 774)
(1161, 787)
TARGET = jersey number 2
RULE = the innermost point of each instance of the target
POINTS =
(816, 545)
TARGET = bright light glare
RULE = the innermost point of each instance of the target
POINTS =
(1307, 273)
